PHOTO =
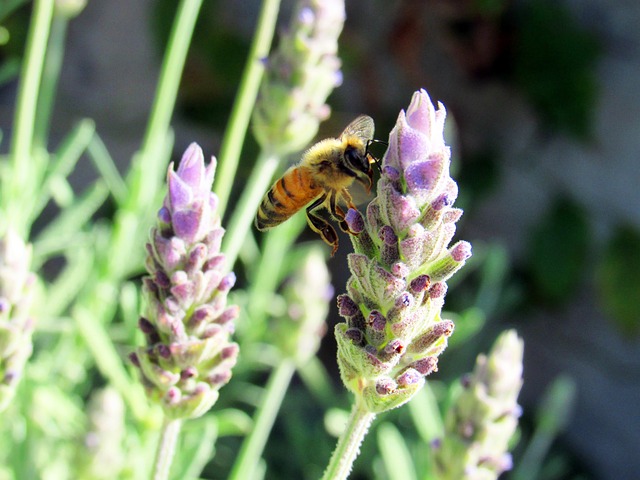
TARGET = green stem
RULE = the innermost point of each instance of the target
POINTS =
(244, 213)
(163, 106)
(25, 114)
(50, 77)
(133, 218)
(247, 461)
(90, 326)
(166, 448)
(349, 443)
(243, 105)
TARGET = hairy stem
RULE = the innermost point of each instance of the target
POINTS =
(166, 448)
(349, 443)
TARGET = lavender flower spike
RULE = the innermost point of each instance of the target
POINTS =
(187, 324)
(393, 331)
(299, 76)
(484, 416)
(16, 326)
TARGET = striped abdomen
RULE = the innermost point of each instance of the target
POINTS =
(290, 193)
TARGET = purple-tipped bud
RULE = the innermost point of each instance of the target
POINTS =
(164, 216)
(133, 358)
(188, 372)
(461, 251)
(346, 306)
(227, 282)
(386, 386)
(425, 365)
(391, 173)
(409, 377)
(355, 335)
(146, 326)
(419, 284)
(376, 320)
(354, 220)
(163, 350)
(438, 290)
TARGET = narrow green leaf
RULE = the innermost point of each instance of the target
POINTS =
(106, 166)
(618, 279)
(395, 453)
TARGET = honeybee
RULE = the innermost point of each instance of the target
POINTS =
(322, 177)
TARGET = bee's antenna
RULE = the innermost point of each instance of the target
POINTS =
(371, 157)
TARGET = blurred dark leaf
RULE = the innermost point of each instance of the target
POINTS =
(619, 279)
(555, 61)
(478, 179)
(558, 251)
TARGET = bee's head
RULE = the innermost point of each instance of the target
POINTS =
(357, 160)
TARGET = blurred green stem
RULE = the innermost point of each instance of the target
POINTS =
(25, 114)
(245, 211)
(349, 443)
(247, 461)
(243, 106)
(552, 417)
(50, 77)
(166, 448)
(150, 159)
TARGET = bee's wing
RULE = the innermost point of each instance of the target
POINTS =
(362, 127)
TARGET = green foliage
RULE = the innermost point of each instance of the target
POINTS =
(555, 62)
(619, 280)
(558, 250)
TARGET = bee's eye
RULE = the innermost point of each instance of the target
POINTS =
(353, 158)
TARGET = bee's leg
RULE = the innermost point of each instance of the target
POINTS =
(337, 212)
(321, 226)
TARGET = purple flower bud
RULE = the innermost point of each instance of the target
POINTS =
(461, 251)
(419, 284)
(452, 215)
(162, 280)
(133, 358)
(11, 377)
(391, 173)
(355, 335)
(388, 236)
(173, 395)
(425, 365)
(163, 350)
(188, 372)
(385, 386)
(395, 347)
(346, 306)
(231, 313)
(164, 216)
(409, 377)
(438, 290)
(376, 320)
(422, 177)
(441, 202)
(399, 270)
(230, 351)
(146, 326)
(354, 220)
(227, 282)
